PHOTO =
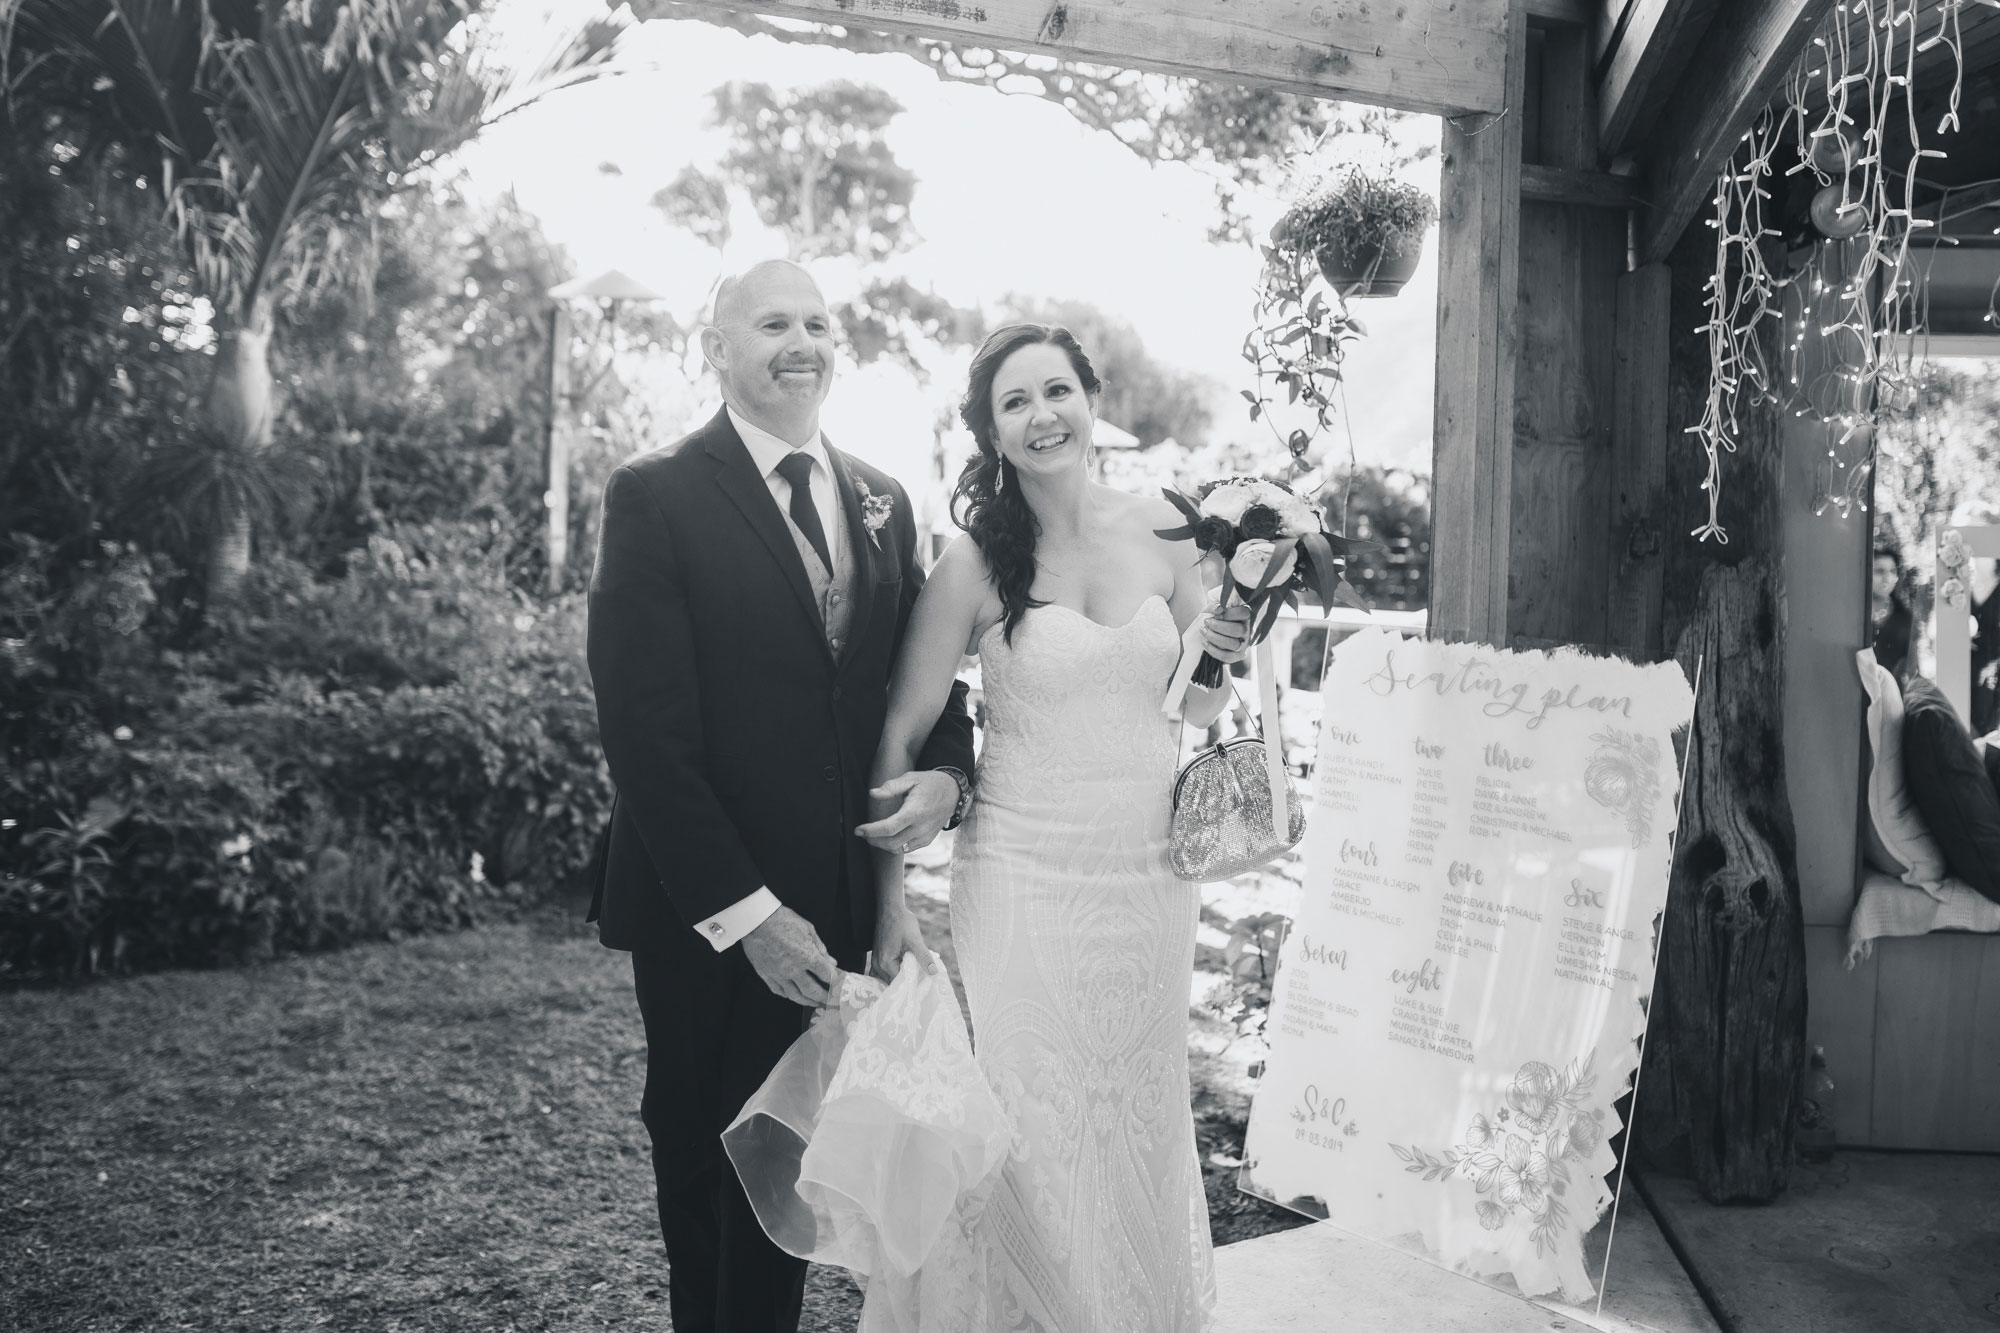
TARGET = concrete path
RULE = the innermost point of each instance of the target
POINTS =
(1327, 1280)
(1871, 1242)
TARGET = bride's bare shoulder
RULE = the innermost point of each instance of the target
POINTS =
(1144, 517)
(961, 579)
(1148, 512)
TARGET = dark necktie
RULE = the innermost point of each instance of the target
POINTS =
(797, 469)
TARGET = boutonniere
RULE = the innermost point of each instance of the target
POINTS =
(875, 511)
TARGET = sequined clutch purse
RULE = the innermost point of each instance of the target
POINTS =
(1222, 814)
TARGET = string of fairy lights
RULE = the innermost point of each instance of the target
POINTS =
(1857, 291)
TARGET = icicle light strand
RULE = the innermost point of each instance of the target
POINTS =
(1861, 297)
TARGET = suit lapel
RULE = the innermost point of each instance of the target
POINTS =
(736, 474)
(858, 541)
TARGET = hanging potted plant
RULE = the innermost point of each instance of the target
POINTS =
(1365, 232)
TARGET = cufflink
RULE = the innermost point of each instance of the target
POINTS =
(715, 927)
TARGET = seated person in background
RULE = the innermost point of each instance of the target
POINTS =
(1889, 619)
(1985, 577)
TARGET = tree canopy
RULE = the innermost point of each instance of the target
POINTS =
(1246, 138)
(816, 166)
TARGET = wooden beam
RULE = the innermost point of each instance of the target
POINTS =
(1479, 253)
(1432, 56)
(1567, 13)
(1641, 433)
(1608, 28)
(1589, 189)
(1649, 46)
(1737, 68)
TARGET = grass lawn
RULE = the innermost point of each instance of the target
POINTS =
(437, 1134)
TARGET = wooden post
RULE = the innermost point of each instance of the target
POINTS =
(1725, 1051)
(1572, 253)
(556, 497)
(1640, 437)
(1479, 231)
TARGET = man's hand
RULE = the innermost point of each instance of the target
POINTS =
(923, 802)
(896, 934)
(787, 954)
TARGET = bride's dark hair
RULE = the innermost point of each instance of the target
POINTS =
(987, 501)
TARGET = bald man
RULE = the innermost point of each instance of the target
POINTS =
(751, 590)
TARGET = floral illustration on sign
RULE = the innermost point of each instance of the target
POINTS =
(875, 511)
(1623, 775)
(1518, 1158)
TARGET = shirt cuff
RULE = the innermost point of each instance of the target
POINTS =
(738, 919)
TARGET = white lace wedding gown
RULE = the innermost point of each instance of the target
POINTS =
(1076, 944)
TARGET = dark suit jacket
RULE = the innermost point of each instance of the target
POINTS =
(1892, 638)
(739, 746)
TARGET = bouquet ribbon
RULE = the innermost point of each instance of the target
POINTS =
(1267, 703)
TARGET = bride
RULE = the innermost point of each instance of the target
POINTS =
(1075, 940)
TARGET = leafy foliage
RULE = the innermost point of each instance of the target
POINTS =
(1244, 137)
(1356, 215)
(1938, 461)
(1298, 339)
(891, 317)
(1387, 513)
(410, 746)
(1298, 343)
(269, 133)
(388, 733)
(816, 165)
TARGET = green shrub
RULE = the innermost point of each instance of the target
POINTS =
(412, 746)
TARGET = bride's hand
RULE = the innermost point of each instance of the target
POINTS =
(1226, 634)
(895, 935)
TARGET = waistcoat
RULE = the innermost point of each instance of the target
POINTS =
(833, 590)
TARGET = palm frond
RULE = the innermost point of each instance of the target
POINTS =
(190, 482)
(470, 92)
(312, 134)
(135, 65)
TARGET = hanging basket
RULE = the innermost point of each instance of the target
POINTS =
(1375, 270)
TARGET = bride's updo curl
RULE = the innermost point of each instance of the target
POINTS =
(987, 502)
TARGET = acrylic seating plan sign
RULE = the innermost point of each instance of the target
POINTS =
(1459, 1001)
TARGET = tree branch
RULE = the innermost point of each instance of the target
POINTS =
(1101, 98)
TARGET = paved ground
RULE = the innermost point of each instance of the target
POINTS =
(1872, 1242)
(1322, 1278)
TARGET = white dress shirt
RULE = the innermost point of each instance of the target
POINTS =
(744, 915)
(767, 451)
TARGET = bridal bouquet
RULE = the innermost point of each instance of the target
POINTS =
(1271, 545)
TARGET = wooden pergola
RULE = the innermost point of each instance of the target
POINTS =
(1581, 140)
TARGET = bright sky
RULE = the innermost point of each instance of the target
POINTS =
(1014, 196)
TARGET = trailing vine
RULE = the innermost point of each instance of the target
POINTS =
(1298, 337)
(1297, 343)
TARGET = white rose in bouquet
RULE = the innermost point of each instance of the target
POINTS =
(1228, 501)
(1252, 558)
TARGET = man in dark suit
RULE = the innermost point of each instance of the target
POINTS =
(751, 590)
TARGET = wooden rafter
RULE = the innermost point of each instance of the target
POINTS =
(1737, 68)
(1588, 189)
(1648, 46)
(1432, 56)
